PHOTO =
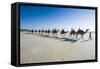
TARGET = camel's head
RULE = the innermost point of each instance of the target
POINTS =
(87, 29)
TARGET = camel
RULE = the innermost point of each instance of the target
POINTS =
(54, 31)
(35, 31)
(48, 31)
(32, 31)
(27, 30)
(81, 32)
(63, 32)
(39, 31)
(73, 32)
(42, 31)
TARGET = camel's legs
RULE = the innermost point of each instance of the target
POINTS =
(65, 35)
(77, 36)
(55, 34)
(70, 35)
(62, 35)
(82, 36)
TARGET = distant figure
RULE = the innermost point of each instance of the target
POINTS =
(90, 36)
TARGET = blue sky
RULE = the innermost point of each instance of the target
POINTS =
(37, 17)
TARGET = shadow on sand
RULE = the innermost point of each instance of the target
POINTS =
(69, 40)
(84, 40)
(58, 38)
(63, 39)
(66, 39)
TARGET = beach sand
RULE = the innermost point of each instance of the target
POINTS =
(36, 48)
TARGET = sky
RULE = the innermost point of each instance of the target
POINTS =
(41, 17)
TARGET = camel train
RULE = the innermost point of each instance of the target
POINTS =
(62, 33)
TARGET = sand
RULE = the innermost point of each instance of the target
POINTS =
(35, 48)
